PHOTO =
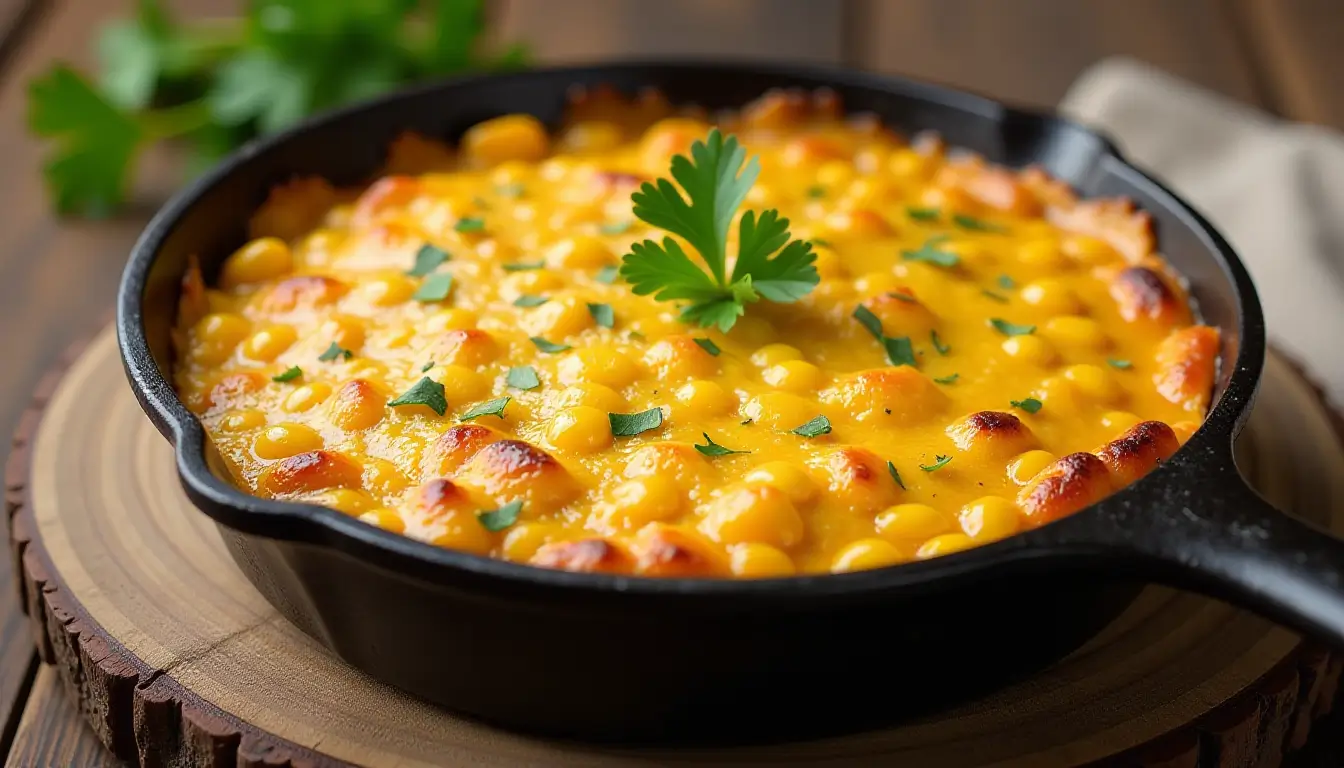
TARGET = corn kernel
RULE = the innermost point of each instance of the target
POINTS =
(643, 500)
(990, 518)
(459, 529)
(910, 524)
(781, 410)
(773, 354)
(557, 319)
(524, 539)
(1043, 254)
(267, 344)
(754, 560)
(388, 290)
(602, 365)
(580, 252)
(510, 137)
(582, 429)
(1093, 382)
(866, 554)
(384, 518)
(834, 173)
(217, 335)
(599, 396)
(790, 478)
(450, 319)
(703, 399)
(1075, 333)
(307, 396)
(794, 376)
(243, 420)
(1060, 397)
(754, 512)
(263, 259)
(1030, 349)
(752, 330)
(347, 332)
(944, 545)
(1028, 465)
(1052, 296)
(346, 500)
(591, 136)
(1089, 250)
(280, 441)
(383, 478)
(460, 383)
(1119, 421)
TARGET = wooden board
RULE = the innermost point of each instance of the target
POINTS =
(1297, 43)
(175, 659)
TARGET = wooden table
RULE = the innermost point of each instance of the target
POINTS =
(57, 277)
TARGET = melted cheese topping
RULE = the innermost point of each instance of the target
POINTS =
(533, 228)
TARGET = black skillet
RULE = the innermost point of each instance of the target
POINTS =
(630, 659)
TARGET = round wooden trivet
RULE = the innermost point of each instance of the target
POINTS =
(175, 659)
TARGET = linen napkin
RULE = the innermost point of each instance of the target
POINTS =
(1274, 188)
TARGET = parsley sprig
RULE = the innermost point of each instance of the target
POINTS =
(715, 179)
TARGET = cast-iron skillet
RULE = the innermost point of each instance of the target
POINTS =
(608, 657)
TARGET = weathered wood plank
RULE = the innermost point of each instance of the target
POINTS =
(1297, 46)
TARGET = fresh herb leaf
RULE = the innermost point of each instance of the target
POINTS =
(1030, 404)
(868, 320)
(995, 296)
(923, 214)
(488, 408)
(527, 300)
(615, 228)
(1006, 282)
(1122, 365)
(947, 379)
(907, 298)
(427, 366)
(631, 424)
(939, 461)
(976, 225)
(607, 275)
(715, 178)
(900, 351)
(470, 224)
(708, 345)
(1010, 329)
(523, 377)
(497, 520)
(523, 266)
(602, 315)
(291, 373)
(549, 347)
(814, 428)
(929, 252)
(426, 392)
(820, 243)
(895, 474)
(713, 449)
(427, 259)
(434, 288)
(938, 344)
(510, 190)
(816, 191)
(334, 351)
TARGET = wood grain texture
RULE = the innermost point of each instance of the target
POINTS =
(52, 732)
(1297, 45)
(176, 661)
(1029, 51)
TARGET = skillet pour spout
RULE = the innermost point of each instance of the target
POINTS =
(605, 657)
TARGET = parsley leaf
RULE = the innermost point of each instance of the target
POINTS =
(602, 315)
(715, 178)
(427, 366)
(900, 351)
(713, 449)
(488, 408)
(434, 288)
(929, 252)
(426, 392)
(549, 347)
(291, 373)
(528, 301)
(523, 266)
(976, 225)
(923, 214)
(895, 474)
(939, 461)
(814, 428)
(1030, 404)
(995, 296)
(708, 345)
(607, 275)
(427, 259)
(498, 519)
(816, 192)
(1009, 329)
(631, 424)
(938, 344)
(334, 351)
(523, 377)
(470, 224)
(947, 379)
(1006, 282)
(868, 320)
(1122, 365)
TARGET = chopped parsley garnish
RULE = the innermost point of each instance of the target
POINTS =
(895, 474)
(929, 252)
(527, 300)
(291, 373)
(427, 259)
(427, 366)
(426, 392)
(523, 377)
(939, 461)
(1123, 365)
(947, 379)
(1010, 329)
(976, 225)
(631, 424)
(900, 351)
(523, 266)
(335, 351)
(615, 228)
(868, 320)
(607, 275)
(499, 519)
(715, 179)
(434, 288)
(1006, 282)
(995, 296)
(820, 243)
(923, 214)
(488, 408)
(712, 448)
(1030, 404)
(602, 315)
(708, 345)
(470, 224)
(907, 298)
(510, 190)
(549, 347)
(938, 344)
(818, 426)
(816, 191)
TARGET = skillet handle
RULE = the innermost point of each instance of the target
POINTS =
(1233, 545)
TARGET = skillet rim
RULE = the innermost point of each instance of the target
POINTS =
(320, 526)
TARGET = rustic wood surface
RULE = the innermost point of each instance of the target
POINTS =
(174, 660)
(56, 277)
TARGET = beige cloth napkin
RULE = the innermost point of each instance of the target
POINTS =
(1275, 189)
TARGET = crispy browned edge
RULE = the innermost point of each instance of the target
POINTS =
(145, 717)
